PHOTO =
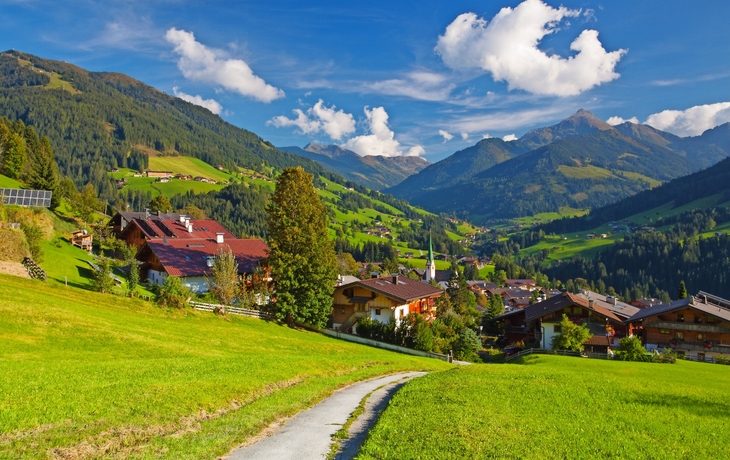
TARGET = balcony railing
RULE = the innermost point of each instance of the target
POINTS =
(697, 327)
(697, 346)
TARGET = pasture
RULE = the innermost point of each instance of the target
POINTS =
(87, 375)
(559, 407)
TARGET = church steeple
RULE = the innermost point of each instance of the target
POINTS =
(430, 265)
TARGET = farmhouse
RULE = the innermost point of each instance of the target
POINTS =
(192, 258)
(138, 231)
(698, 325)
(381, 299)
(82, 239)
(120, 220)
(540, 322)
(165, 174)
(521, 284)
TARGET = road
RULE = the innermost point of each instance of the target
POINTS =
(308, 435)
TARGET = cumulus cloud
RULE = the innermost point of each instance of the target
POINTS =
(464, 136)
(381, 141)
(693, 121)
(446, 135)
(507, 47)
(210, 104)
(613, 121)
(200, 63)
(509, 137)
(424, 86)
(319, 118)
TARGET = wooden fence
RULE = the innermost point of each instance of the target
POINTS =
(543, 351)
(232, 310)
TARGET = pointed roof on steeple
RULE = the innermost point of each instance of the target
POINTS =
(430, 250)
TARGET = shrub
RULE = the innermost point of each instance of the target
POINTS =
(467, 346)
(173, 294)
(572, 336)
(630, 349)
(102, 280)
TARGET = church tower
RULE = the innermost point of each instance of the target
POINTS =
(430, 265)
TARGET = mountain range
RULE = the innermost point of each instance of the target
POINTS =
(581, 162)
(373, 171)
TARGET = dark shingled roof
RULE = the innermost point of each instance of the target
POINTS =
(405, 290)
(691, 302)
(561, 301)
(598, 340)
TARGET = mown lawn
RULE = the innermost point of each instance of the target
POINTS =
(86, 375)
(559, 407)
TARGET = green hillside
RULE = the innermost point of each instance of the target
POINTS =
(559, 407)
(110, 120)
(98, 376)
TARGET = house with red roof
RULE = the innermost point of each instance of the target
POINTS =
(381, 299)
(188, 248)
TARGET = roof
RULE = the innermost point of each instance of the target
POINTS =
(525, 282)
(190, 257)
(566, 299)
(481, 284)
(511, 293)
(598, 340)
(404, 290)
(169, 228)
(621, 309)
(700, 304)
(155, 215)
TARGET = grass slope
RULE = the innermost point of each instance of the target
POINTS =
(96, 376)
(559, 407)
(187, 165)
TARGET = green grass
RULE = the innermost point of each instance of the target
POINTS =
(559, 407)
(585, 172)
(6, 182)
(122, 378)
(168, 189)
(187, 165)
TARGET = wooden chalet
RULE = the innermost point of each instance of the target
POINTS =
(82, 239)
(540, 322)
(138, 231)
(381, 299)
(698, 326)
(521, 284)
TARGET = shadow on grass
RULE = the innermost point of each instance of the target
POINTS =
(703, 407)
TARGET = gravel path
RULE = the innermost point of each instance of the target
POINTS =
(308, 435)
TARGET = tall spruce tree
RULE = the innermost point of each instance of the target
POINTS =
(302, 257)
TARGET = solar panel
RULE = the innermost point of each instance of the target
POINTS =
(26, 197)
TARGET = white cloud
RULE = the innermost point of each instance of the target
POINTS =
(424, 86)
(507, 47)
(335, 123)
(506, 120)
(307, 94)
(200, 63)
(486, 136)
(509, 137)
(446, 135)
(693, 121)
(381, 141)
(210, 104)
(613, 121)
(464, 136)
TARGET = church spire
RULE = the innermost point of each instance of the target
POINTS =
(430, 265)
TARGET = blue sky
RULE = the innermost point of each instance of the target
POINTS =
(421, 78)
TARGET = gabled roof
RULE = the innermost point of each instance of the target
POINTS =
(481, 284)
(168, 228)
(511, 293)
(190, 257)
(564, 300)
(696, 303)
(621, 309)
(403, 290)
(520, 282)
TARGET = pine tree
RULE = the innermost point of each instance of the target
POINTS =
(14, 155)
(302, 258)
(682, 294)
(43, 174)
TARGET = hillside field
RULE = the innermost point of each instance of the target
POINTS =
(559, 407)
(87, 375)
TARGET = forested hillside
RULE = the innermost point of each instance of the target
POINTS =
(97, 121)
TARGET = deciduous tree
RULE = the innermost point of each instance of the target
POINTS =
(223, 281)
(571, 336)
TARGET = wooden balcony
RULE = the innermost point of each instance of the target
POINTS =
(696, 327)
(697, 346)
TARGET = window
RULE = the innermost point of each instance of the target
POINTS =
(700, 336)
(680, 317)
(664, 331)
(374, 295)
(557, 329)
(342, 310)
(348, 292)
(377, 311)
(577, 310)
(680, 335)
(710, 319)
(698, 319)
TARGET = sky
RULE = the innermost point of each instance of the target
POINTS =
(424, 78)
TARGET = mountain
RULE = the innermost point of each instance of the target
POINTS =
(375, 172)
(591, 164)
(465, 164)
(97, 121)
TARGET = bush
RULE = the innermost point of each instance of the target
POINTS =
(173, 294)
(630, 349)
(467, 346)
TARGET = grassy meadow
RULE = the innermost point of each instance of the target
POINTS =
(559, 407)
(87, 375)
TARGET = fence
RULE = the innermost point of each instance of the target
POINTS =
(232, 310)
(543, 351)
(34, 270)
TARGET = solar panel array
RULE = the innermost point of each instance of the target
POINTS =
(26, 197)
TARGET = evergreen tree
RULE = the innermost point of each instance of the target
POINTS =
(160, 203)
(682, 294)
(14, 155)
(302, 258)
(43, 174)
(103, 281)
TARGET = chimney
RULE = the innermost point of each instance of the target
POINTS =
(611, 299)
(395, 279)
(190, 227)
(182, 219)
(219, 238)
(590, 304)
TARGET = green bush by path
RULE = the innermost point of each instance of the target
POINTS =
(559, 407)
(123, 378)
